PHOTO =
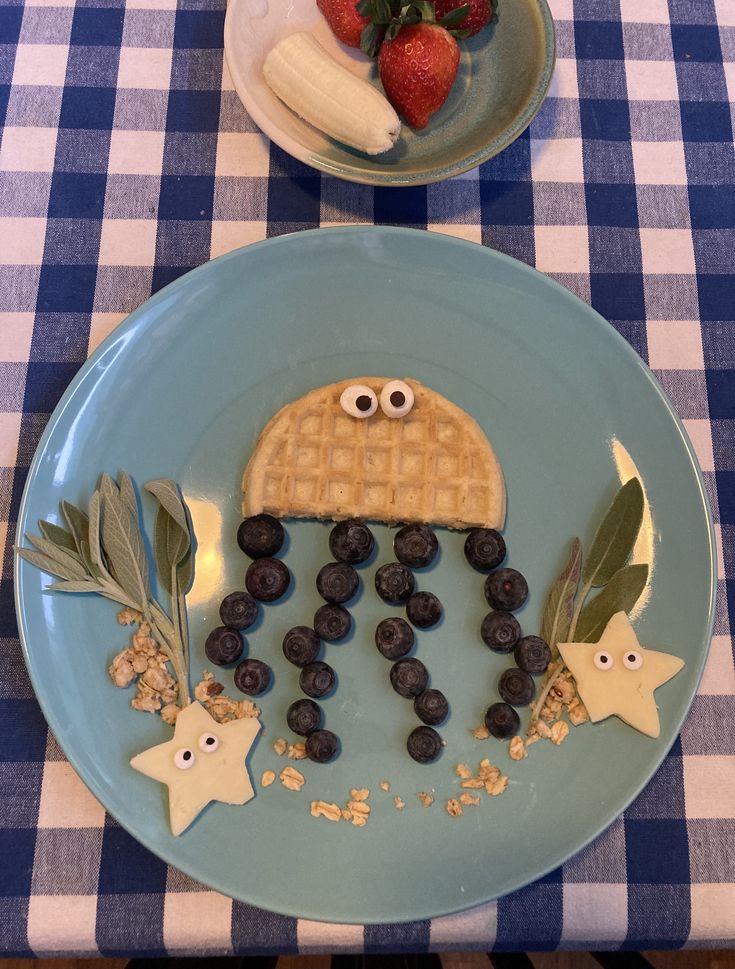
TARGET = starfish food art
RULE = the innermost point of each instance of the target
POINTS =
(617, 676)
(203, 762)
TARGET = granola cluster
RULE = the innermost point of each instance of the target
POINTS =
(222, 708)
(144, 663)
(561, 698)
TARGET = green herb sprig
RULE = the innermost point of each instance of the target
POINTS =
(103, 551)
(605, 568)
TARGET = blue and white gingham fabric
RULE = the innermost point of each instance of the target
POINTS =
(126, 159)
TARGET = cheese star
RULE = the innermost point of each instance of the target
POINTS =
(618, 676)
(205, 761)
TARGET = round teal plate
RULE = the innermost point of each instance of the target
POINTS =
(181, 390)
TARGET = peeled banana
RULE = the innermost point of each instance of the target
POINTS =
(306, 78)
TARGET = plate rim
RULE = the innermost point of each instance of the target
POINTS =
(433, 238)
(394, 180)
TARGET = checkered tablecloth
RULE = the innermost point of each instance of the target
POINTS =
(127, 159)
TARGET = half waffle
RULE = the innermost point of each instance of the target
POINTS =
(435, 465)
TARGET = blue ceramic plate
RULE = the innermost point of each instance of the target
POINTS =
(182, 388)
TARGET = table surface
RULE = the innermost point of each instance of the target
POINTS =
(126, 159)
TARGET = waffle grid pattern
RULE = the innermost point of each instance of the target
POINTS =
(430, 466)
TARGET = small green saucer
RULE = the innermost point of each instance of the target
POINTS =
(503, 77)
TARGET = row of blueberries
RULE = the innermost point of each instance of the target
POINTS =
(415, 546)
(506, 590)
(337, 582)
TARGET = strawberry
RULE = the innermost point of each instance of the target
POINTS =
(343, 17)
(417, 68)
(477, 17)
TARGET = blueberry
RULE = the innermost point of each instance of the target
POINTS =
(516, 687)
(238, 610)
(317, 679)
(502, 721)
(416, 546)
(301, 645)
(394, 637)
(500, 631)
(260, 536)
(351, 541)
(223, 646)
(409, 677)
(337, 582)
(267, 579)
(332, 622)
(484, 549)
(424, 609)
(532, 654)
(394, 583)
(321, 746)
(252, 677)
(506, 589)
(303, 717)
(424, 744)
(431, 706)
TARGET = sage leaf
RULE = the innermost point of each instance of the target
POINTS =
(171, 546)
(127, 493)
(78, 523)
(185, 573)
(71, 562)
(124, 548)
(108, 488)
(619, 595)
(616, 535)
(559, 606)
(74, 586)
(167, 494)
(94, 570)
(160, 549)
(177, 542)
(58, 535)
(95, 550)
(46, 564)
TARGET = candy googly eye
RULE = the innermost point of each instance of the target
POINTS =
(184, 758)
(396, 399)
(632, 660)
(359, 401)
(208, 743)
(603, 660)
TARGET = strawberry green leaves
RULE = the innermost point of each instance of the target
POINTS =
(389, 16)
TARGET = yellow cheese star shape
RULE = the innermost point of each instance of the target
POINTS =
(618, 676)
(205, 761)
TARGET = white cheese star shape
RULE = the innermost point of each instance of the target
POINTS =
(198, 769)
(620, 683)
